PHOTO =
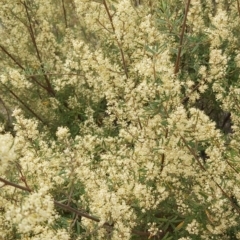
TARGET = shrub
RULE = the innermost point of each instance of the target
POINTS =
(125, 119)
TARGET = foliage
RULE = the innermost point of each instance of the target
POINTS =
(125, 119)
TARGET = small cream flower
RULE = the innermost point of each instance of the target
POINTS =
(62, 133)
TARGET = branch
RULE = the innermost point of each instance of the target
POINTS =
(14, 185)
(226, 119)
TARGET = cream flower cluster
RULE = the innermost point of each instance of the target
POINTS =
(38, 208)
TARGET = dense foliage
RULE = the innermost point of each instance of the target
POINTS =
(120, 119)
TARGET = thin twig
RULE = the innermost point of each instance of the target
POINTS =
(54, 74)
(185, 99)
(64, 13)
(25, 105)
(163, 154)
(12, 57)
(23, 178)
(177, 64)
(21, 66)
(104, 26)
(118, 43)
(6, 110)
(193, 153)
(204, 169)
(49, 87)
(236, 171)
(238, 7)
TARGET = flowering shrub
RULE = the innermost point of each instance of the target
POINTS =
(125, 119)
